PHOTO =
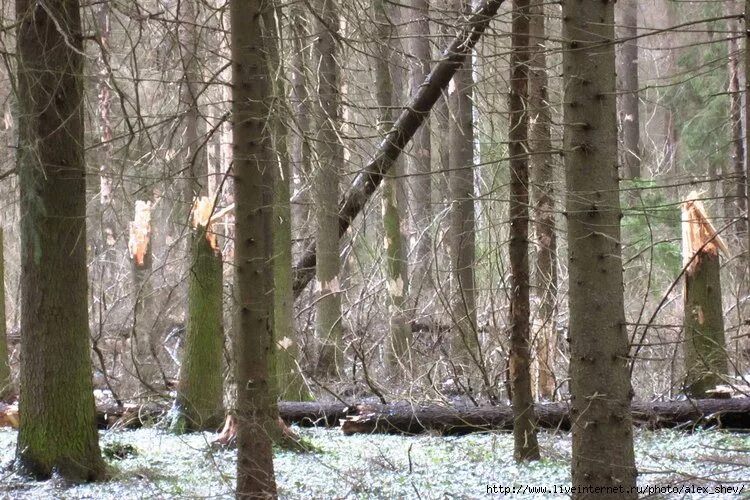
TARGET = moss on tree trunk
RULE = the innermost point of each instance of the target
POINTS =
(57, 416)
(200, 394)
(705, 354)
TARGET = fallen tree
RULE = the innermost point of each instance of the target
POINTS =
(405, 418)
(412, 116)
(411, 419)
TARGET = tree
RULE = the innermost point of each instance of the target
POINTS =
(524, 420)
(290, 385)
(57, 427)
(600, 384)
(735, 202)
(419, 159)
(253, 195)
(326, 186)
(542, 171)
(397, 280)
(200, 392)
(747, 126)
(705, 353)
(461, 185)
(143, 337)
(6, 388)
(627, 83)
(299, 99)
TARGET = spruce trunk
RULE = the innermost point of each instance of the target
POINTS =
(599, 375)
(524, 427)
(57, 423)
(253, 194)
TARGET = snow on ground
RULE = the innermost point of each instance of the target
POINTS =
(378, 466)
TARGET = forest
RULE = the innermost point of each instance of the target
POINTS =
(374, 249)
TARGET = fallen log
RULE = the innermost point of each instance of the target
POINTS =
(405, 418)
(732, 414)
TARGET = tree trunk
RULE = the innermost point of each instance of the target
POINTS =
(326, 188)
(408, 418)
(6, 386)
(200, 395)
(195, 167)
(542, 170)
(462, 236)
(747, 127)
(419, 161)
(524, 420)
(705, 354)
(600, 384)
(734, 185)
(289, 383)
(627, 72)
(200, 392)
(299, 140)
(143, 364)
(397, 349)
(57, 427)
(412, 116)
(402, 418)
(253, 194)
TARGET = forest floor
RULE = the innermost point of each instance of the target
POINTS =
(161, 465)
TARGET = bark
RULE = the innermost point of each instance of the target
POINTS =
(600, 384)
(195, 167)
(542, 170)
(705, 354)
(253, 195)
(627, 72)
(401, 418)
(106, 173)
(524, 426)
(299, 143)
(419, 160)
(747, 127)
(397, 351)
(289, 383)
(406, 125)
(461, 227)
(326, 188)
(200, 393)
(6, 387)
(57, 425)
(416, 419)
(734, 184)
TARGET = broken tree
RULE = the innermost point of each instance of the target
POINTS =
(142, 362)
(199, 404)
(705, 354)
